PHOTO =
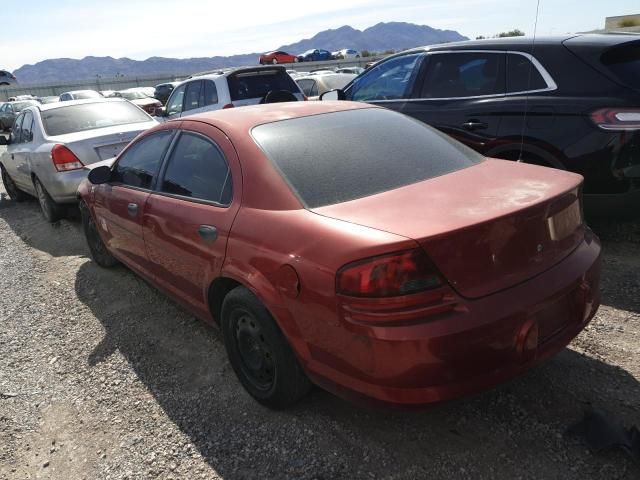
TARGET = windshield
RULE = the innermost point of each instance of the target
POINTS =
(79, 118)
(132, 95)
(19, 106)
(257, 84)
(371, 151)
(85, 94)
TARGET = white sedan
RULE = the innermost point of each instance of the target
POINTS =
(50, 145)
(346, 54)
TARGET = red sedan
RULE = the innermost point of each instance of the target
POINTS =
(391, 263)
(277, 57)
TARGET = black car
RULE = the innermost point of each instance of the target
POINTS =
(164, 90)
(569, 102)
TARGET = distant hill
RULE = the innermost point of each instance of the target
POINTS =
(380, 37)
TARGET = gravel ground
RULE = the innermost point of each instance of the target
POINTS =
(102, 377)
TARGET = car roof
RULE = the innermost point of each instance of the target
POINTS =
(243, 119)
(603, 39)
(322, 76)
(53, 106)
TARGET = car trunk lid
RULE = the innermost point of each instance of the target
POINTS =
(101, 144)
(487, 227)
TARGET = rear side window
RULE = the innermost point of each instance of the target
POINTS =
(197, 169)
(192, 97)
(459, 75)
(624, 62)
(210, 93)
(256, 84)
(371, 151)
(139, 164)
(522, 75)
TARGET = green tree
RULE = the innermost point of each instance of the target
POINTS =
(513, 33)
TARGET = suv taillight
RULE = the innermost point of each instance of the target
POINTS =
(64, 159)
(617, 118)
(390, 275)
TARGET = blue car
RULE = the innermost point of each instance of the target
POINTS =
(315, 55)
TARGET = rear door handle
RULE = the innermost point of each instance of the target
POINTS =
(132, 208)
(208, 233)
(474, 125)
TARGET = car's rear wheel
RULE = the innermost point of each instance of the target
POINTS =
(51, 210)
(97, 248)
(259, 353)
(12, 190)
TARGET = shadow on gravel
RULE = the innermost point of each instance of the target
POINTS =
(502, 433)
(60, 239)
(620, 281)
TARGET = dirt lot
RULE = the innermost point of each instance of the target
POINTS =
(101, 377)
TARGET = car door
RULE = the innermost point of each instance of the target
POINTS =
(187, 219)
(200, 97)
(119, 204)
(461, 93)
(175, 102)
(389, 83)
(15, 154)
(21, 153)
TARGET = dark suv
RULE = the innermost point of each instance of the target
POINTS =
(572, 103)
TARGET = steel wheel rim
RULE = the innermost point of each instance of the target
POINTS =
(256, 357)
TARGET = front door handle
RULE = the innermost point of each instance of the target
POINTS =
(208, 233)
(132, 208)
(474, 125)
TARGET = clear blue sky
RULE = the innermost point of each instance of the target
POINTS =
(190, 28)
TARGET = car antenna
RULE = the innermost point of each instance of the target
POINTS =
(526, 100)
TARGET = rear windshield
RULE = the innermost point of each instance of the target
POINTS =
(78, 118)
(19, 106)
(257, 84)
(624, 62)
(341, 156)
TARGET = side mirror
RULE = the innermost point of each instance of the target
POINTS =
(100, 175)
(335, 94)
(160, 112)
(3, 141)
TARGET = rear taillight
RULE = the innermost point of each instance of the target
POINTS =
(388, 275)
(228, 105)
(64, 159)
(617, 118)
(305, 98)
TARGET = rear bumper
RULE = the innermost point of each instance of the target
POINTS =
(480, 344)
(63, 186)
(619, 205)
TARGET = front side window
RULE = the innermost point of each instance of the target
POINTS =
(390, 80)
(197, 169)
(459, 75)
(192, 97)
(27, 127)
(16, 130)
(139, 165)
(522, 75)
(306, 85)
(174, 105)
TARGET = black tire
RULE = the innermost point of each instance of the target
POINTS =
(97, 248)
(51, 211)
(259, 353)
(12, 190)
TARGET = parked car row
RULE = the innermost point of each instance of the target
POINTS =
(312, 55)
(348, 245)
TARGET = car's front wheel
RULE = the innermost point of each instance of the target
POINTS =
(51, 210)
(97, 248)
(259, 353)
(12, 190)
(274, 61)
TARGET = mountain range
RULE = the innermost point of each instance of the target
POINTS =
(380, 37)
